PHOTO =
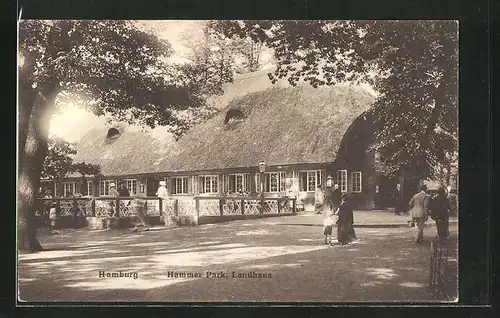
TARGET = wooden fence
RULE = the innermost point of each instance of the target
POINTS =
(153, 206)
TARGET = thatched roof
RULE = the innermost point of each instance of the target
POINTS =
(281, 125)
(131, 152)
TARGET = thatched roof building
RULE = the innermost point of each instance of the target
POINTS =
(123, 150)
(280, 125)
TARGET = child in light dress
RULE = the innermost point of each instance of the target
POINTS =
(328, 226)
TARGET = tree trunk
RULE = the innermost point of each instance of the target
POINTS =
(26, 99)
(30, 167)
(448, 173)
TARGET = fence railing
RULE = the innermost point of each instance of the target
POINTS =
(239, 205)
(440, 268)
(102, 206)
(154, 206)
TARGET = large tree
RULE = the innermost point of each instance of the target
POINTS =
(58, 161)
(113, 66)
(413, 65)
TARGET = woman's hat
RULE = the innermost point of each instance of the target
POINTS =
(112, 185)
(163, 183)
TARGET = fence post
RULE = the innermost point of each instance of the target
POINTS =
(221, 207)
(294, 205)
(197, 204)
(117, 208)
(93, 206)
(176, 207)
(279, 206)
(74, 207)
(160, 205)
(58, 207)
(242, 206)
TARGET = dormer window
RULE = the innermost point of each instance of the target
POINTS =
(113, 133)
(233, 116)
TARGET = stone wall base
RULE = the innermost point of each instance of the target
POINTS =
(101, 223)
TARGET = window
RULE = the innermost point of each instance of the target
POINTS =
(274, 181)
(131, 185)
(356, 181)
(238, 182)
(68, 188)
(342, 180)
(180, 185)
(104, 187)
(310, 180)
(209, 184)
(233, 115)
(90, 188)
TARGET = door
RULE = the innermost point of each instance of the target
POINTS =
(387, 186)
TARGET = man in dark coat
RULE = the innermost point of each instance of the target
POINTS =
(398, 200)
(440, 213)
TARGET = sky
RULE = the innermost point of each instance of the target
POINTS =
(73, 121)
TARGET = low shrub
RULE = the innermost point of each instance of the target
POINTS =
(182, 220)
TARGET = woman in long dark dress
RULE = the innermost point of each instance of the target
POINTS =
(345, 221)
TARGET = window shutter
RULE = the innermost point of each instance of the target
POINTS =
(189, 185)
(282, 179)
(257, 183)
(301, 181)
(350, 185)
(172, 186)
(246, 177)
(200, 184)
(58, 189)
(195, 184)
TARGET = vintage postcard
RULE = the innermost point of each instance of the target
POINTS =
(237, 161)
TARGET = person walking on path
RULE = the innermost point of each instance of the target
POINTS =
(439, 211)
(318, 200)
(419, 209)
(398, 200)
(345, 221)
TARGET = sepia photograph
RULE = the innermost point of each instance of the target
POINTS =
(276, 161)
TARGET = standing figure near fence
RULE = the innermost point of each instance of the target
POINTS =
(419, 211)
(113, 193)
(440, 212)
(139, 212)
(162, 193)
(318, 200)
(123, 191)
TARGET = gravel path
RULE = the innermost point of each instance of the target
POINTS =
(291, 264)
